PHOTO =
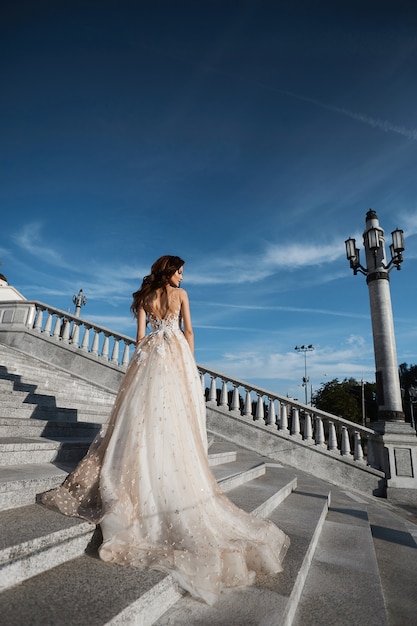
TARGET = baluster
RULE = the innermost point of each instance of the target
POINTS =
(295, 427)
(319, 431)
(105, 348)
(213, 390)
(126, 354)
(223, 395)
(115, 351)
(345, 441)
(283, 425)
(57, 328)
(94, 347)
(65, 330)
(271, 417)
(235, 399)
(308, 428)
(86, 338)
(358, 450)
(48, 325)
(75, 335)
(259, 408)
(38, 322)
(332, 437)
(247, 411)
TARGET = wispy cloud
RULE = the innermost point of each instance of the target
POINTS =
(289, 309)
(283, 369)
(31, 241)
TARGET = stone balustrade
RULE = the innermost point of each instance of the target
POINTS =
(290, 417)
(100, 342)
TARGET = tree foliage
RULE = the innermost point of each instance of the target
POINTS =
(408, 378)
(344, 399)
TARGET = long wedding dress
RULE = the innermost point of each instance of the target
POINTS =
(148, 484)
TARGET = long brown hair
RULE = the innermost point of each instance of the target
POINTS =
(161, 272)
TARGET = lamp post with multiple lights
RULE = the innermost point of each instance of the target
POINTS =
(394, 443)
(306, 379)
(377, 277)
(79, 301)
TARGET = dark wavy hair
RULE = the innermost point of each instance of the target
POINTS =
(161, 272)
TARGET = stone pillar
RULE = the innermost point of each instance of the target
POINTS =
(386, 366)
(396, 441)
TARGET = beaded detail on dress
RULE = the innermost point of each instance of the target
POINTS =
(147, 480)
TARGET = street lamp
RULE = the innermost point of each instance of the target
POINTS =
(79, 301)
(305, 349)
(377, 278)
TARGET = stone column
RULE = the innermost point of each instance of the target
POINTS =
(386, 366)
(396, 441)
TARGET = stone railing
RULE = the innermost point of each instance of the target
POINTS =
(67, 329)
(88, 337)
(290, 417)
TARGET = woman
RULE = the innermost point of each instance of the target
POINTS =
(148, 482)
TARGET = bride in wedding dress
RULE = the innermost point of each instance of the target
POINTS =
(147, 481)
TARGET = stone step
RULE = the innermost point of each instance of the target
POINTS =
(35, 539)
(272, 600)
(20, 484)
(57, 414)
(24, 450)
(11, 397)
(29, 427)
(344, 568)
(25, 379)
(85, 590)
(131, 596)
(27, 391)
(24, 522)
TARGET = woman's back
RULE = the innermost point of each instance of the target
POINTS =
(163, 302)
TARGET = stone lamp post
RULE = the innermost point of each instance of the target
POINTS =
(396, 452)
(79, 301)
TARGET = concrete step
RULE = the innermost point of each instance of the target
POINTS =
(57, 414)
(86, 590)
(20, 484)
(395, 542)
(343, 584)
(35, 539)
(29, 427)
(273, 599)
(24, 450)
(12, 397)
(70, 391)
(122, 595)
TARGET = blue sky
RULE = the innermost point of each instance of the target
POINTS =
(250, 138)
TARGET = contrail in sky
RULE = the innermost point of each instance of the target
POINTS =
(387, 127)
(409, 133)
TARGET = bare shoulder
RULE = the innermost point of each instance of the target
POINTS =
(183, 296)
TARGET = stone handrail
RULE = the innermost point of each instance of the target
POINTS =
(290, 417)
(101, 342)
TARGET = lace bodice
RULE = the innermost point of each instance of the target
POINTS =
(170, 323)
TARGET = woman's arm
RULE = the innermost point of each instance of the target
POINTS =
(141, 324)
(186, 319)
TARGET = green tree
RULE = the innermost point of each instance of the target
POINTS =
(344, 399)
(408, 378)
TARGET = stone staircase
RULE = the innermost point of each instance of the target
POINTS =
(352, 558)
